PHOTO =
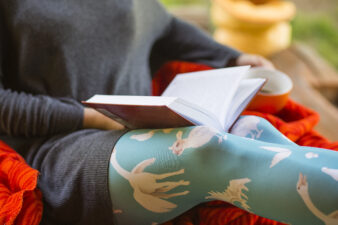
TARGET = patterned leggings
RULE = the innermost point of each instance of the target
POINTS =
(156, 175)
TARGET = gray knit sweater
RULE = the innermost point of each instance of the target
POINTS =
(57, 53)
(53, 54)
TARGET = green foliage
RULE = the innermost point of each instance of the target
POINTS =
(320, 31)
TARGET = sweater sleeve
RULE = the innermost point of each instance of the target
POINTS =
(23, 114)
(183, 41)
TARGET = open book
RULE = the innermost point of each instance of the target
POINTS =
(214, 98)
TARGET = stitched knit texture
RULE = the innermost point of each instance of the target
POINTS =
(20, 201)
(54, 54)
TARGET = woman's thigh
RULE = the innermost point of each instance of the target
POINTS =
(155, 175)
(74, 177)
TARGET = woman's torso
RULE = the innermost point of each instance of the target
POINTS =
(79, 48)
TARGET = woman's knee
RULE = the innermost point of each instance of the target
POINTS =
(247, 126)
(174, 147)
(192, 138)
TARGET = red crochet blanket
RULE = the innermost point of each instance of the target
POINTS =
(20, 200)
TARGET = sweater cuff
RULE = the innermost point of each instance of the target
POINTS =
(232, 60)
(69, 117)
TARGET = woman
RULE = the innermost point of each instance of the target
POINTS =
(55, 54)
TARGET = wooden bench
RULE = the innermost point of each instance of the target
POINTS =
(310, 74)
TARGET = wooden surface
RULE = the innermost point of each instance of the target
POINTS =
(292, 62)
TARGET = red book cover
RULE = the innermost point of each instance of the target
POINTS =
(141, 116)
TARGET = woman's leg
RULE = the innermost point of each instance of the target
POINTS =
(155, 175)
(257, 128)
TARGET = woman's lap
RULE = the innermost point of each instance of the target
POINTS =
(74, 171)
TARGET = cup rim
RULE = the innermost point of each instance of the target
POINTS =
(274, 78)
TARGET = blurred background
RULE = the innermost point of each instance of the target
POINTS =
(315, 22)
(299, 36)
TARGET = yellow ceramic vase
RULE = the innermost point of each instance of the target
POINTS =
(253, 26)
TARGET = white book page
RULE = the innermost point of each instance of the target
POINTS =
(212, 90)
(195, 114)
(245, 92)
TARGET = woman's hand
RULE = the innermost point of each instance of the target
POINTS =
(254, 61)
(94, 119)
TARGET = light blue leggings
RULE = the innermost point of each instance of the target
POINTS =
(156, 175)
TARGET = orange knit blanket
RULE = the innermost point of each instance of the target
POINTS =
(20, 201)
